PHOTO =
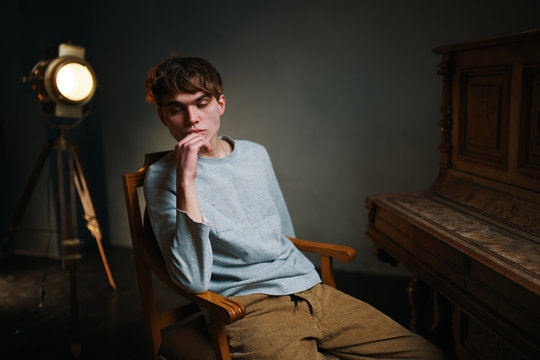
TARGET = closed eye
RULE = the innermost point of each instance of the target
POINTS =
(202, 105)
(175, 110)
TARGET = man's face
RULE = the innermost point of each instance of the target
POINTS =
(184, 113)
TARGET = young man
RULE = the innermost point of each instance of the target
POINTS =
(220, 219)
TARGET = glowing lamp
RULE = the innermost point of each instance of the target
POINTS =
(63, 84)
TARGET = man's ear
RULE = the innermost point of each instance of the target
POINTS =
(161, 115)
(221, 103)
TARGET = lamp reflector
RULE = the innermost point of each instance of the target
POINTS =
(74, 81)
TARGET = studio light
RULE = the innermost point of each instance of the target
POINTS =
(64, 84)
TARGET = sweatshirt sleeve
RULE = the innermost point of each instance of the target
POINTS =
(184, 243)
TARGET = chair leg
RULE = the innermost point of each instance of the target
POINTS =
(148, 303)
(219, 338)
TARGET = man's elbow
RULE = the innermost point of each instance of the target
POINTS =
(192, 284)
(195, 288)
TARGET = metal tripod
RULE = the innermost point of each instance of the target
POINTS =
(69, 240)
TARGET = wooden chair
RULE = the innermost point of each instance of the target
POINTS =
(192, 336)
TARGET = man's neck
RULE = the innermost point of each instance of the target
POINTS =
(221, 149)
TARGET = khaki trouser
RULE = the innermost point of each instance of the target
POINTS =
(296, 326)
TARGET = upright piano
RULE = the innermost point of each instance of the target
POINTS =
(472, 239)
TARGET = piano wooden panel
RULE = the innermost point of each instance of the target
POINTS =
(473, 237)
(529, 156)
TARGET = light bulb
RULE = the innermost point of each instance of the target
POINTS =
(74, 81)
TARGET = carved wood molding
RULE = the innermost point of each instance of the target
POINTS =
(529, 152)
(484, 115)
(445, 69)
(370, 205)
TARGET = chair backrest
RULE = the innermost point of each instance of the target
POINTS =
(148, 260)
(141, 231)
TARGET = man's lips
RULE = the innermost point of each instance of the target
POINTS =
(196, 131)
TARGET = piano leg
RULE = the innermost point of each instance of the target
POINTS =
(419, 293)
(442, 330)
(431, 315)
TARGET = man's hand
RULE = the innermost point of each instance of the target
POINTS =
(187, 151)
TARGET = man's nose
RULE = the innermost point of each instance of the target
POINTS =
(193, 115)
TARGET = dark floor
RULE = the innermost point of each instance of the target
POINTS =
(111, 322)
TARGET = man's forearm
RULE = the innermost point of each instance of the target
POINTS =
(187, 201)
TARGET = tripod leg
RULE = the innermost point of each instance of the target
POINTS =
(23, 202)
(70, 247)
(76, 337)
(89, 212)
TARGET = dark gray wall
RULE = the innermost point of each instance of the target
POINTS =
(344, 94)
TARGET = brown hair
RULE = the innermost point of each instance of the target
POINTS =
(182, 74)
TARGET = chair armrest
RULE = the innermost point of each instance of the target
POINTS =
(224, 308)
(227, 309)
(341, 252)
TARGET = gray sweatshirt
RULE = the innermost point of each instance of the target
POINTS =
(240, 247)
